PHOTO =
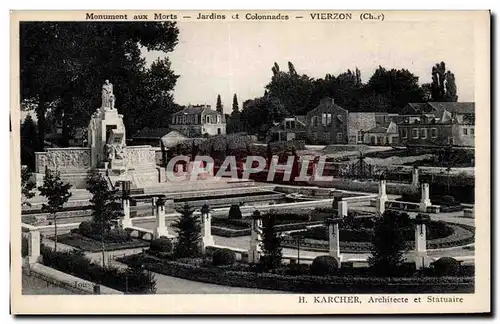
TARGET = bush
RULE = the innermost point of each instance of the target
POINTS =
(324, 265)
(447, 201)
(223, 257)
(446, 266)
(117, 235)
(235, 212)
(85, 228)
(162, 244)
(297, 269)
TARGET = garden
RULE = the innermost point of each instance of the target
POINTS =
(89, 237)
(357, 232)
(388, 272)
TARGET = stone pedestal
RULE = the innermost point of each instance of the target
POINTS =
(33, 247)
(255, 238)
(126, 221)
(206, 228)
(424, 200)
(381, 198)
(160, 228)
(333, 239)
(420, 254)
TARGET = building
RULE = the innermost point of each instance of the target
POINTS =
(329, 123)
(380, 135)
(290, 128)
(198, 121)
(438, 124)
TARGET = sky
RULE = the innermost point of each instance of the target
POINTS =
(225, 58)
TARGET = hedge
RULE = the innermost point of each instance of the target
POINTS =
(306, 283)
(75, 263)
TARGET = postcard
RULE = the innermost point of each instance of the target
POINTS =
(250, 162)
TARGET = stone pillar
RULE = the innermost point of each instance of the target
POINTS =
(414, 177)
(340, 207)
(126, 222)
(160, 228)
(206, 228)
(33, 247)
(382, 197)
(153, 205)
(255, 238)
(333, 239)
(425, 201)
(421, 258)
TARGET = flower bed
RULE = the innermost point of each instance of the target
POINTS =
(94, 244)
(236, 276)
(356, 241)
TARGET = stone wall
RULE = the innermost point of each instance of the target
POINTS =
(65, 160)
(140, 156)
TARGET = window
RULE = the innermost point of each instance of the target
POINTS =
(314, 121)
(326, 119)
(423, 132)
(218, 119)
(207, 119)
(472, 131)
(326, 135)
(339, 137)
(415, 132)
(434, 132)
(360, 137)
(404, 133)
(465, 131)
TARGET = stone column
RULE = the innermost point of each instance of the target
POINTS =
(126, 222)
(414, 177)
(153, 205)
(333, 239)
(160, 228)
(425, 201)
(33, 247)
(421, 258)
(206, 231)
(255, 238)
(340, 207)
(382, 196)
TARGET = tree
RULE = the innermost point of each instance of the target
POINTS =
(87, 54)
(188, 228)
(261, 112)
(57, 194)
(218, 105)
(388, 244)
(271, 242)
(443, 86)
(290, 89)
(105, 208)
(27, 187)
(29, 143)
(400, 87)
(236, 108)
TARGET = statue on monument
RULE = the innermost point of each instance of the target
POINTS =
(108, 98)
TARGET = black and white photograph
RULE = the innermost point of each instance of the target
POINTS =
(328, 158)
